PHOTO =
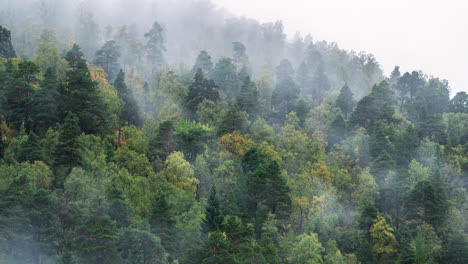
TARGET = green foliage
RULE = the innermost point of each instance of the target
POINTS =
(213, 217)
(6, 48)
(155, 45)
(201, 89)
(345, 101)
(107, 58)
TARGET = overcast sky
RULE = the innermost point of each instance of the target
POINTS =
(426, 35)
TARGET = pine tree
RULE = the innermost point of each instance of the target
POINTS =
(231, 120)
(44, 103)
(225, 77)
(345, 101)
(284, 70)
(199, 90)
(203, 62)
(107, 58)
(155, 45)
(31, 150)
(6, 48)
(213, 216)
(75, 59)
(248, 98)
(19, 92)
(80, 95)
(129, 114)
(69, 144)
(336, 131)
(320, 85)
(421, 254)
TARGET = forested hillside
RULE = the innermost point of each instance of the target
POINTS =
(164, 133)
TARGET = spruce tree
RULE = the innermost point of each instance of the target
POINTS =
(213, 216)
(336, 131)
(199, 90)
(69, 144)
(155, 45)
(248, 98)
(129, 114)
(345, 101)
(19, 91)
(44, 104)
(107, 58)
(203, 62)
(6, 48)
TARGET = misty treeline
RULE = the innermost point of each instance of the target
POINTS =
(172, 132)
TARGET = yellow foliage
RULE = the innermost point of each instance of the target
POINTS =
(98, 75)
(320, 169)
(236, 143)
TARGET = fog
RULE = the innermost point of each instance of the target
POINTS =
(427, 35)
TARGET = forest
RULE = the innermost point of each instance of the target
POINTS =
(173, 132)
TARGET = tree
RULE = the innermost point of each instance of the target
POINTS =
(203, 62)
(75, 59)
(129, 114)
(44, 103)
(200, 90)
(139, 245)
(426, 202)
(19, 91)
(345, 101)
(107, 57)
(155, 45)
(248, 98)
(69, 143)
(459, 103)
(336, 131)
(384, 241)
(6, 48)
(320, 85)
(284, 96)
(421, 254)
(239, 54)
(80, 94)
(307, 249)
(284, 70)
(225, 77)
(377, 106)
(231, 120)
(213, 216)
(265, 189)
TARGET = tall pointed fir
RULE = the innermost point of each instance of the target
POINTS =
(44, 103)
(155, 45)
(345, 101)
(213, 216)
(6, 48)
(129, 114)
(80, 94)
(248, 98)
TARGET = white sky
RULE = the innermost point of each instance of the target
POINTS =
(426, 35)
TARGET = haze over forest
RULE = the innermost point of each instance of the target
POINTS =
(163, 131)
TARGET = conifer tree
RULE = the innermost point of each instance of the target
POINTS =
(345, 101)
(199, 90)
(213, 216)
(155, 45)
(203, 62)
(69, 144)
(44, 104)
(6, 48)
(129, 114)
(248, 98)
(107, 58)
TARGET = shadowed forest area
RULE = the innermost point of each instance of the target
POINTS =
(173, 132)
